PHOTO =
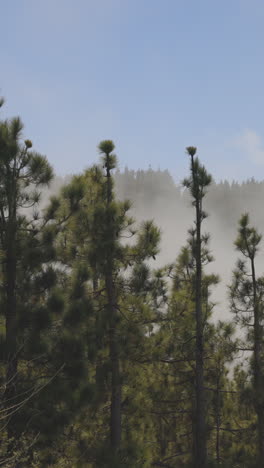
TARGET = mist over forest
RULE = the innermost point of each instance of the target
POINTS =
(155, 195)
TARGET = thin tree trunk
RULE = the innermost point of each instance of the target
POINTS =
(115, 422)
(11, 328)
(116, 389)
(98, 337)
(218, 422)
(259, 407)
(200, 393)
(200, 423)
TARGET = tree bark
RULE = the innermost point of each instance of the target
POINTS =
(200, 423)
(218, 422)
(116, 389)
(258, 390)
(11, 357)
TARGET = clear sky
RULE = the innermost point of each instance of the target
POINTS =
(153, 75)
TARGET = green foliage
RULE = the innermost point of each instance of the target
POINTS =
(85, 316)
(248, 238)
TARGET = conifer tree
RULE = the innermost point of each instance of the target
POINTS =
(22, 172)
(32, 299)
(106, 148)
(94, 240)
(197, 184)
(174, 361)
(116, 257)
(247, 294)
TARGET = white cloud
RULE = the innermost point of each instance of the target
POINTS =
(251, 144)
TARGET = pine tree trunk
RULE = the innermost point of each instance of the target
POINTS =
(11, 332)
(200, 429)
(200, 460)
(218, 422)
(115, 416)
(116, 389)
(11, 357)
(115, 422)
(97, 338)
(259, 406)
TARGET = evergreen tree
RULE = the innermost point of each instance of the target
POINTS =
(197, 184)
(106, 148)
(247, 293)
(22, 171)
(93, 240)
(32, 303)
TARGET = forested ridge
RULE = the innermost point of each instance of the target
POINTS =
(112, 353)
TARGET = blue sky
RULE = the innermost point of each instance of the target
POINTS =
(153, 75)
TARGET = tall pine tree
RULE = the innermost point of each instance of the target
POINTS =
(197, 184)
(247, 294)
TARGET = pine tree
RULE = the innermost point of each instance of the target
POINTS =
(117, 258)
(106, 148)
(32, 299)
(92, 240)
(247, 293)
(22, 171)
(197, 184)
